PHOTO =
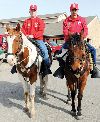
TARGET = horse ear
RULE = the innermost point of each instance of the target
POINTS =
(81, 34)
(18, 27)
(7, 28)
(69, 34)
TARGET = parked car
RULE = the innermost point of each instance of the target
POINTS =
(3, 46)
(3, 42)
(54, 47)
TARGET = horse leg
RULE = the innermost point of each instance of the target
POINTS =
(80, 95)
(26, 91)
(73, 93)
(69, 94)
(43, 86)
(26, 95)
(31, 100)
(79, 104)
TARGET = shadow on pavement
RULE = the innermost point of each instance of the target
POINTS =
(10, 92)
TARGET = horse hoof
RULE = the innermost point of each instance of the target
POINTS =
(44, 96)
(79, 113)
(73, 113)
(68, 102)
(32, 115)
(26, 109)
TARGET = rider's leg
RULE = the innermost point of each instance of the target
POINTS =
(44, 53)
(95, 73)
(63, 50)
(93, 53)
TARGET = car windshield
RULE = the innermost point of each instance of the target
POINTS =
(53, 43)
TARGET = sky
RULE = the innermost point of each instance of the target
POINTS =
(20, 8)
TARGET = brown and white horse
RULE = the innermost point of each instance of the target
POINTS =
(24, 54)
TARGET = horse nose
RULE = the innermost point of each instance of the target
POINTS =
(10, 59)
(76, 67)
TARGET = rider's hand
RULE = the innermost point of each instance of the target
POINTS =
(29, 36)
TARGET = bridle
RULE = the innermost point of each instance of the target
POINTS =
(74, 43)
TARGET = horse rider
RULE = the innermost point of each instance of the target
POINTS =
(92, 50)
(33, 29)
(93, 55)
(73, 24)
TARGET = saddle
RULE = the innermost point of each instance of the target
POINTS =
(44, 69)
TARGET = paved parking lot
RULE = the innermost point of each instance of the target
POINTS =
(54, 109)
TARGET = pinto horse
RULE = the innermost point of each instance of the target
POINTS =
(26, 57)
(77, 70)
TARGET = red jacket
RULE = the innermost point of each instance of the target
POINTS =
(35, 27)
(74, 25)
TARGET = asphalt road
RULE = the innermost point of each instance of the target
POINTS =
(55, 108)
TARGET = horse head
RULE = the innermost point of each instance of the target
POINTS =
(14, 40)
(77, 54)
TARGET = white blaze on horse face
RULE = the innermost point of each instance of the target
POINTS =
(10, 58)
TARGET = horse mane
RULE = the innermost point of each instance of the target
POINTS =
(32, 50)
(76, 39)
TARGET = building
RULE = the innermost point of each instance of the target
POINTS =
(54, 23)
(94, 30)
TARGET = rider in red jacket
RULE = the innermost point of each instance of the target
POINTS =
(72, 24)
(33, 28)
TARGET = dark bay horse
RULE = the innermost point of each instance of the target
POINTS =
(25, 55)
(77, 70)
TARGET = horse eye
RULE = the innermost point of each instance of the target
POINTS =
(20, 35)
(17, 41)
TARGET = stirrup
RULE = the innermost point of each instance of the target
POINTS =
(13, 70)
(59, 73)
(63, 54)
(95, 73)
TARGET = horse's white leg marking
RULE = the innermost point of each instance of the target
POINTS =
(32, 97)
(26, 91)
(43, 84)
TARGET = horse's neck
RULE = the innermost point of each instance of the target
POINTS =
(27, 43)
(32, 50)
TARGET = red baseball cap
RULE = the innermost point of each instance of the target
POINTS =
(33, 7)
(74, 6)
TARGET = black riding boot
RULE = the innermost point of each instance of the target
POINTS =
(13, 70)
(60, 71)
(46, 70)
(95, 73)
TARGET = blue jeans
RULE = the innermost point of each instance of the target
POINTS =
(93, 52)
(44, 51)
(64, 46)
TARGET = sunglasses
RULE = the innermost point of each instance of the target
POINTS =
(74, 9)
